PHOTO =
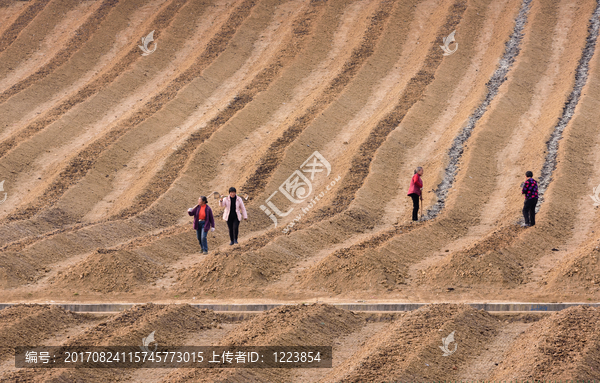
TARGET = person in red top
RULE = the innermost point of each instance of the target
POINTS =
(203, 221)
(415, 192)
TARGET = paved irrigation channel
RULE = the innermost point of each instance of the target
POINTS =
(359, 307)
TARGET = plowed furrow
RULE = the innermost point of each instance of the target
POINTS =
(65, 229)
(142, 240)
(160, 22)
(58, 335)
(387, 124)
(208, 337)
(415, 89)
(576, 274)
(457, 149)
(507, 234)
(82, 35)
(11, 11)
(301, 29)
(26, 240)
(394, 256)
(30, 324)
(263, 239)
(561, 346)
(290, 325)
(85, 160)
(360, 163)
(436, 342)
(273, 254)
(176, 162)
(11, 34)
(473, 249)
(106, 46)
(438, 116)
(503, 201)
(101, 108)
(483, 365)
(353, 227)
(509, 259)
(569, 108)
(408, 350)
(269, 162)
(53, 28)
(171, 324)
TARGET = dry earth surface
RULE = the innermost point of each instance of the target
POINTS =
(319, 110)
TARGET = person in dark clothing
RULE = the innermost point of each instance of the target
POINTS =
(530, 189)
(234, 211)
(203, 221)
(233, 222)
(415, 192)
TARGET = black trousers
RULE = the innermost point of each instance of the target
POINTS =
(233, 225)
(529, 211)
(415, 198)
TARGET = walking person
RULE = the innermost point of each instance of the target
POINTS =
(530, 189)
(203, 221)
(233, 216)
(415, 192)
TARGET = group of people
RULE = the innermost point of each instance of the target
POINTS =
(205, 222)
(529, 188)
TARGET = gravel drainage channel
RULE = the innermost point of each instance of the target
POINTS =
(513, 47)
(581, 76)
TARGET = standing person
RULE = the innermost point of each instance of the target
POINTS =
(530, 189)
(233, 216)
(203, 221)
(415, 191)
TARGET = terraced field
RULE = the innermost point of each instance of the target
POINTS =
(319, 110)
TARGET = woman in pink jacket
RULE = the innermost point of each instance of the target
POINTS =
(233, 216)
(415, 190)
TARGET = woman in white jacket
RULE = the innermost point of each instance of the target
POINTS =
(233, 216)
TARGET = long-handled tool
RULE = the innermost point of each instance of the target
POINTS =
(218, 195)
